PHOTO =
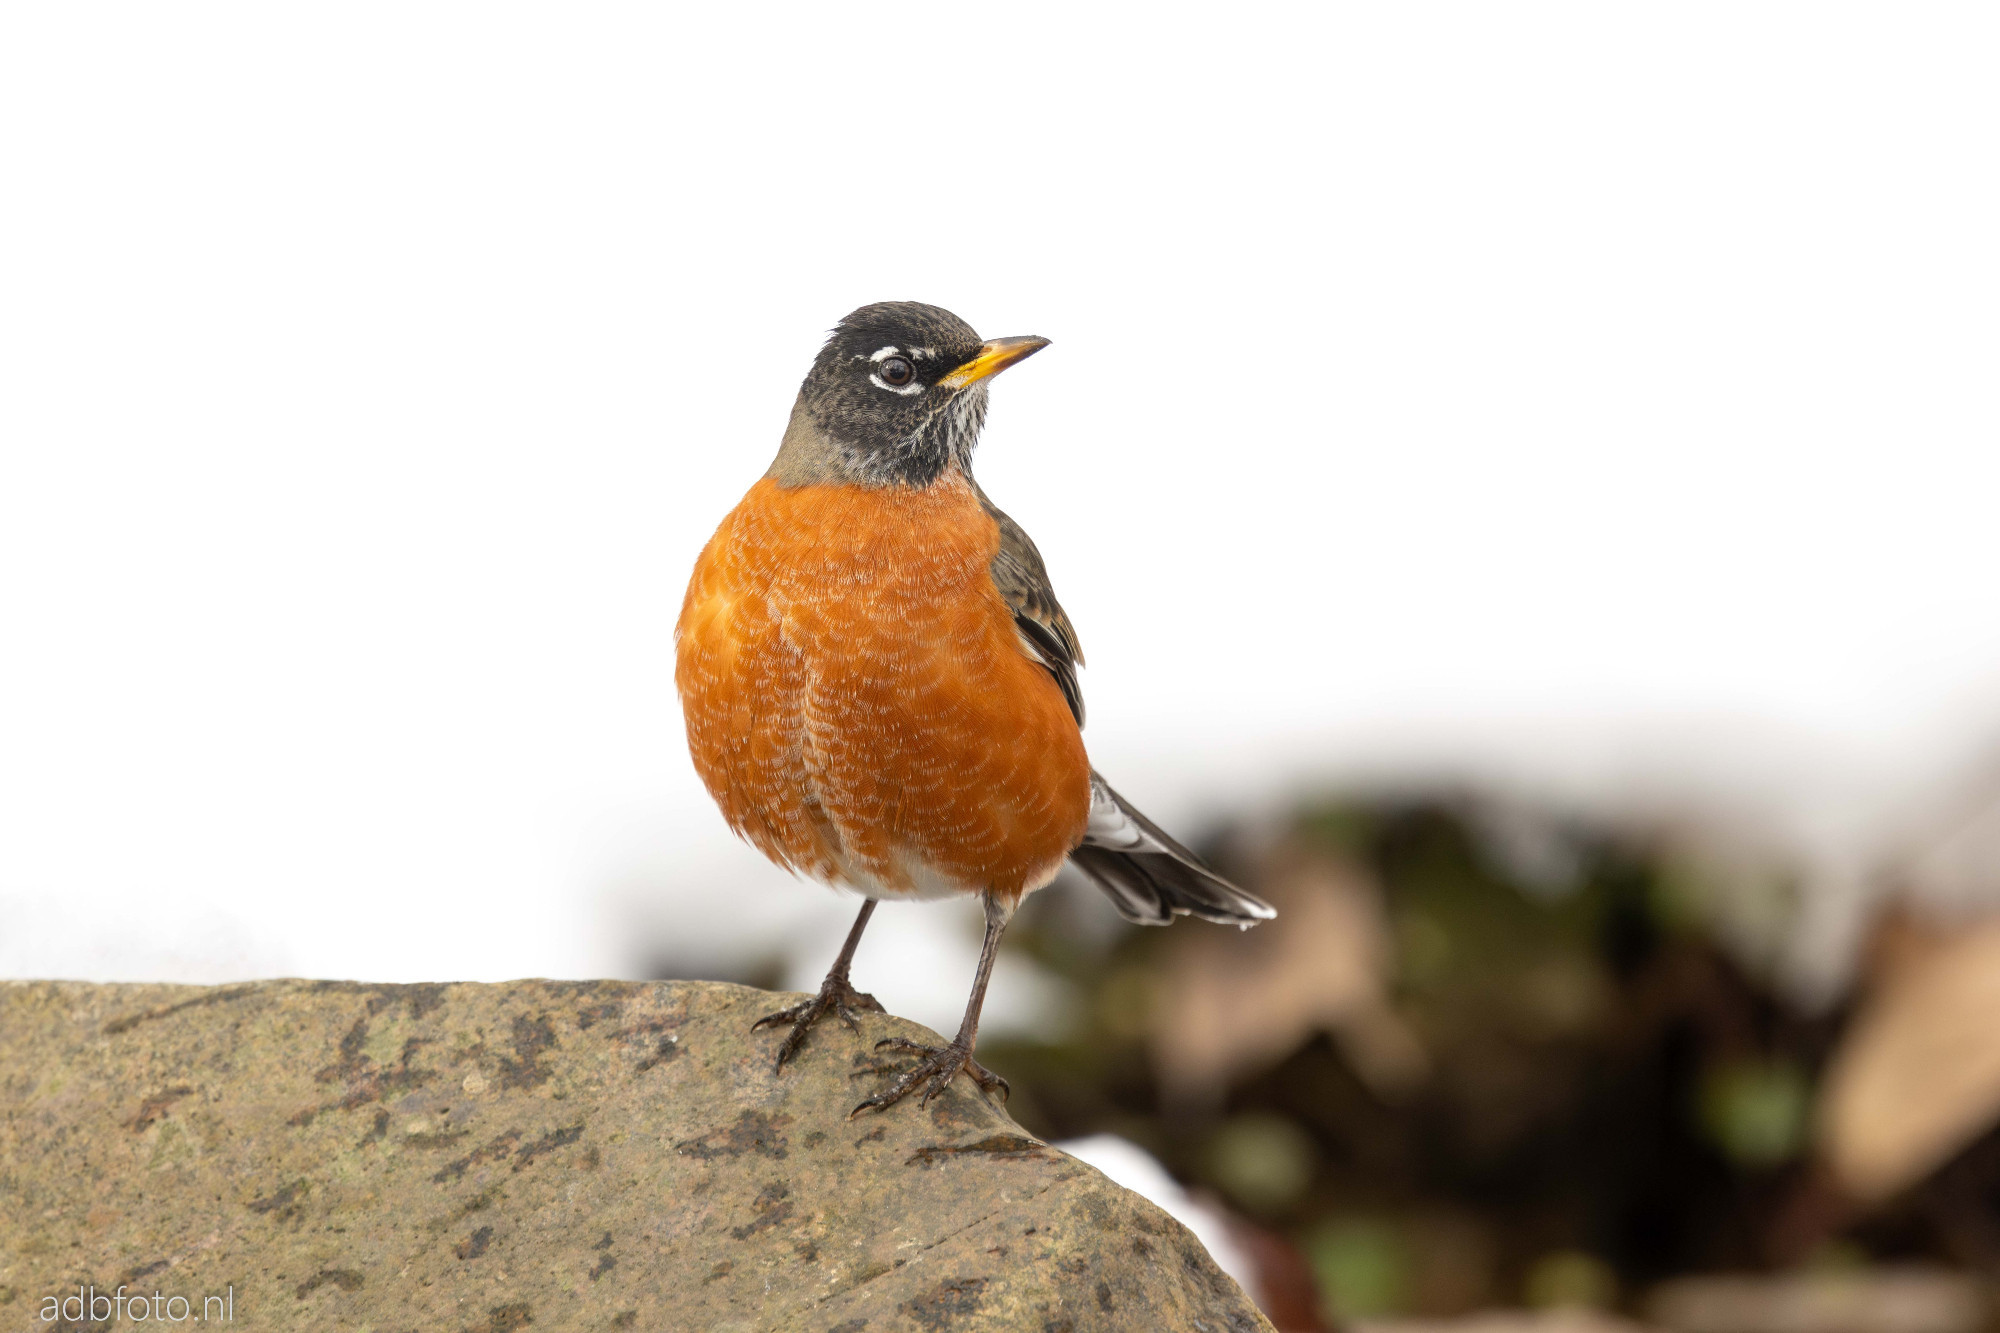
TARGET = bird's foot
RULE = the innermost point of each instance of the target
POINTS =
(836, 996)
(934, 1072)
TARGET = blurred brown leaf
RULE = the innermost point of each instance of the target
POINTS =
(1231, 1002)
(1917, 1078)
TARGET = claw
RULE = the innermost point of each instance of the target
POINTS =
(939, 1066)
(782, 1016)
(836, 996)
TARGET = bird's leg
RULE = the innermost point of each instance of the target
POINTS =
(836, 995)
(940, 1064)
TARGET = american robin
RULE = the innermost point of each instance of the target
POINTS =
(880, 686)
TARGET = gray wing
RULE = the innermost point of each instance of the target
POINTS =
(1044, 628)
(1150, 877)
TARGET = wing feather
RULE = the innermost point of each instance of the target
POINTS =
(1046, 633)
(1150, 877)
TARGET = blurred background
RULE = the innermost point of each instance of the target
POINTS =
(1525, 478)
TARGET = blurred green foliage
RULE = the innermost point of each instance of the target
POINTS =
(1363, 1267)
(1756, 1112)
(1570, 1279)
(1613, 1093)
(1263, 1162)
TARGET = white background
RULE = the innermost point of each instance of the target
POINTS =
(1570, 389)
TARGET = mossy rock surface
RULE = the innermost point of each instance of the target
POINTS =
(555, 1155)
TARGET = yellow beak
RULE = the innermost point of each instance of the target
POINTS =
(994, 357)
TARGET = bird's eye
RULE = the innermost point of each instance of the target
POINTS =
(896, 372)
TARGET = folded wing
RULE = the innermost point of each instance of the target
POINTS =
(1151, 878)
(1044, 628)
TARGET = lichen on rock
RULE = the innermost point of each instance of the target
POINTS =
(588, 1155)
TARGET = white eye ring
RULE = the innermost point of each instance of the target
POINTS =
(915, 386)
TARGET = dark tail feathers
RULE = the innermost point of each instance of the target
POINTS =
(1150, 877)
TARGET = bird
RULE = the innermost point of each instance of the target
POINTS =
(880, 688)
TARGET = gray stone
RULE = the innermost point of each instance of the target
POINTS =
(545, 1154)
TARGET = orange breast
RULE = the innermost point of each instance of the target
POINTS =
(857, 700)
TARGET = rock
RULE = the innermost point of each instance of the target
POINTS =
(559, 1155)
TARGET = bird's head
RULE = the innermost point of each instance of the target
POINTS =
(896, 397)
